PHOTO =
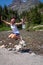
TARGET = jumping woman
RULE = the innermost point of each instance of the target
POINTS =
(15, 32)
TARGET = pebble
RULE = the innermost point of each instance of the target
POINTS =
(4, 41)
(2, 46)
(41, 46)
(18, 47)
(22, 42)
(9, 49)
(10, 43)
(32, 54)
(0, 41)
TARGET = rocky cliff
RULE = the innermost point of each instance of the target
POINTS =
(22, 5)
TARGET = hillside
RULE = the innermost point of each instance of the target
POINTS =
(23, 5)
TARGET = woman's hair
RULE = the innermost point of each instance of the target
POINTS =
(14, 17)
(13, 20)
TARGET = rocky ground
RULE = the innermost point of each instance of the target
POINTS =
(34, 40)
(10, 58)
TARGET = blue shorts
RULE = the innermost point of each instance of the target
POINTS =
(17, 33)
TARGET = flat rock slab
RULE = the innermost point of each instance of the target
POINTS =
(10, 58)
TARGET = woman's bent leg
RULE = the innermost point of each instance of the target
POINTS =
(14, 36)
(10, 35)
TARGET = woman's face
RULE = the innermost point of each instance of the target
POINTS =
(12, 21)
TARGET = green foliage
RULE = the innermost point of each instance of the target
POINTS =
(40, 5)
(33, 17)
(42, 19)
(36, 16)
(4, 27)
(38, 28)
(7, 14)
(0, 10)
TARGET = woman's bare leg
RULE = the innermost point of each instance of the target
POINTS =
(14, 36)
(10, 35)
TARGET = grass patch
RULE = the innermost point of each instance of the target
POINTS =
(34, 28)
(4, 27)
(38, 28)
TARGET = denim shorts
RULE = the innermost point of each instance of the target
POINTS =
(17, 33)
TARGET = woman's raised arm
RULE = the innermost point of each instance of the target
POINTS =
(6, 22)
(20, 23)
